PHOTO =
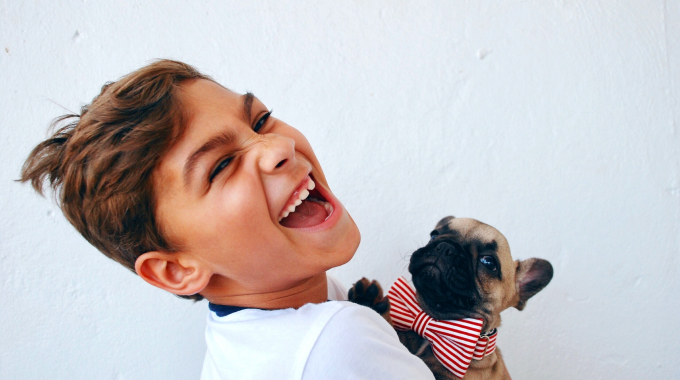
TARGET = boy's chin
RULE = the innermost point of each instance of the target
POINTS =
(349, 243)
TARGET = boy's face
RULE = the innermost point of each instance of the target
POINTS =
(224, 186)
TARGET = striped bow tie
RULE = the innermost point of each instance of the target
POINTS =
(454, 343)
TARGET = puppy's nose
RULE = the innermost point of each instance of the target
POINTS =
(444, 248)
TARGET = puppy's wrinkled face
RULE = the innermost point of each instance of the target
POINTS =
(465, 271)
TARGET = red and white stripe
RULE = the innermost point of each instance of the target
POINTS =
(454, 343)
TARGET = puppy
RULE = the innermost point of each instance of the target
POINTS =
(465, 271)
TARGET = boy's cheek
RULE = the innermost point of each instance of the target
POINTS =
(303, 146)
(318, 172)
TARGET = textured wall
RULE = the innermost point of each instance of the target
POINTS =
(555, 121)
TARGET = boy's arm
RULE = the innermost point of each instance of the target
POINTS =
(358, 344)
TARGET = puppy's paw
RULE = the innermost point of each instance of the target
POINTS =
(369, 293)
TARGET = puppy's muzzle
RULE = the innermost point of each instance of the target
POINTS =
(444, 276)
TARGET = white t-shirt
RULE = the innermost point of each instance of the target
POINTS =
(331, 340)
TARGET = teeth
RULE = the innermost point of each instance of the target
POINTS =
(283, 215)
(302, 195)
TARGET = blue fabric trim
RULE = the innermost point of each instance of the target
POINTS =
(224, 310)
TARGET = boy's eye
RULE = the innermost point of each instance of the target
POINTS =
(223, 164)
(261, 122)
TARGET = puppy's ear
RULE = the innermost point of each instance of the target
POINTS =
(441, 226)
(532, 276)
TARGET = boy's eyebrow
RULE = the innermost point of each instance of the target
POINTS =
(248, 106)
(225, 138)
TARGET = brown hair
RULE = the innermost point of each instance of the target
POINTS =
(100, 163)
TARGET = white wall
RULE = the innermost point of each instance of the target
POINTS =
(555, 121)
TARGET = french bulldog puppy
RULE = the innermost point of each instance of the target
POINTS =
(465, 271)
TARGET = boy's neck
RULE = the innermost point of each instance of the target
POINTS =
(311, 290)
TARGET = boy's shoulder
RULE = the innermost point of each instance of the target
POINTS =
(358, 343)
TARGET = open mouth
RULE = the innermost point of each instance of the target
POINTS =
(307, 207)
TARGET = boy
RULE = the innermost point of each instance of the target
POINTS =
(203, 193)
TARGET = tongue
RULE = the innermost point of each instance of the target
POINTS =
(307, 214)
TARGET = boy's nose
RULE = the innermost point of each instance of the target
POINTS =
(275, 152)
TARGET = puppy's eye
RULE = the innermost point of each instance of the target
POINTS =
(489, 263)
(261, 122)
(433, 235)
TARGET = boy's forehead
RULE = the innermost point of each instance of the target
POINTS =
(202, 97)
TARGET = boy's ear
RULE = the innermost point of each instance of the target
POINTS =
(532, 276)
(173, 272)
